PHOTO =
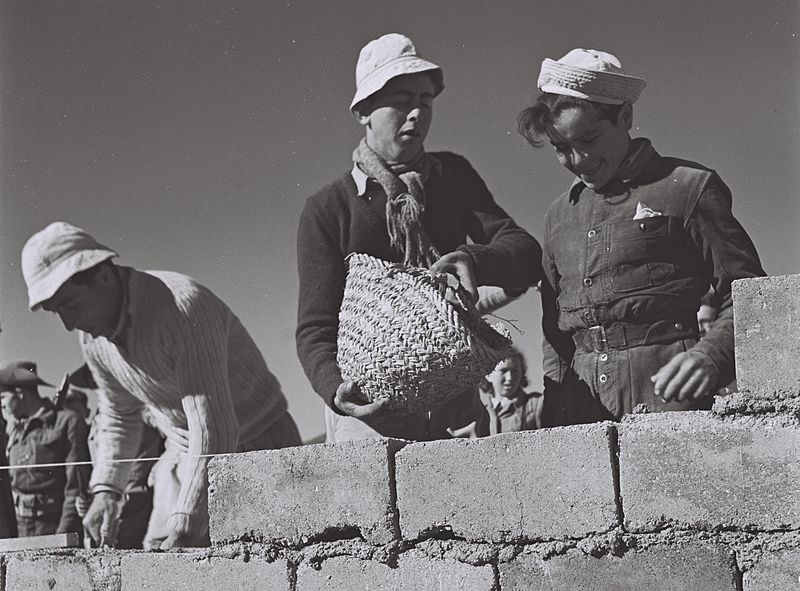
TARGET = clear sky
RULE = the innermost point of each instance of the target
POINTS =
(187, 135)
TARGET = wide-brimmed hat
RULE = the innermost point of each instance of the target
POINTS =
(53, 255)
(385, 58)
(592, 75)
(20, 373)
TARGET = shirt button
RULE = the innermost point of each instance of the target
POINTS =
(587, 282)
(603, 378)
(587, 315)
(679, 326)
(643, 227)
(592, 233)
(604, 357)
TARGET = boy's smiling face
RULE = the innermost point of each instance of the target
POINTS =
(590, 147)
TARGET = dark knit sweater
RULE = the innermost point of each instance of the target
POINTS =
(337, 222)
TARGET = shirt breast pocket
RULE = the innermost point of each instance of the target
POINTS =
(640, 253)
(48, 447)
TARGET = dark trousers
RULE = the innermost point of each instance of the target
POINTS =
(134, 519)
(37, 524)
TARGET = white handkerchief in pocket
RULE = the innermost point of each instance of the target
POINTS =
(642, 211)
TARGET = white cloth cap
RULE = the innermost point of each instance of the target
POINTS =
(590, 74)
(387, 57)
(53, 255)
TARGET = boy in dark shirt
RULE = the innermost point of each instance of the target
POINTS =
(629, 250)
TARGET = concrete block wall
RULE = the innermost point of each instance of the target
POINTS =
(767, 322)
(663, 501)
(493, 490)
(294, 495)
(659, 502)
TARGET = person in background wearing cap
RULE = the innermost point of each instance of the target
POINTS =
(398, 203)
(38, 433)
(161, 340)
(629, 250)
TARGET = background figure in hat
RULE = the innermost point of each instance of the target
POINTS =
(161, 340)
(38, 433)
(629, 250)
(403, 204)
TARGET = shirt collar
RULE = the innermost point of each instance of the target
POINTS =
(641, 153)
(360, 178)
(508, 405)
(45, 414)
(124, 315)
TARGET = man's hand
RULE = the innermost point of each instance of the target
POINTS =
(177, 539)
(180, 535)
(102, 518)
(461, 265)
(351, 402)
(687, 376)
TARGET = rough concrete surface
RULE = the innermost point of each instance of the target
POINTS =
(545, 484)
(696, 470)
(53, 572)
(298, 494)
(414, 572)
(197, 572)
(775, 572)
(691, 567)
(781, 407)
(766, 325)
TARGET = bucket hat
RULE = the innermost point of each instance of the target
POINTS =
(20, 373)
(592, 75)
(56, 253)
(387, 57)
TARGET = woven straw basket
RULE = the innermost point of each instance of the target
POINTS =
(399, 337)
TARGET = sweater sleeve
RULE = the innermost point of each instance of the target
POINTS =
(201, 372)
(505, 255)
(117, 430)
(322, 273)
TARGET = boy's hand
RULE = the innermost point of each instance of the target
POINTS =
(687, 376)
(460, 265)
(350, 401)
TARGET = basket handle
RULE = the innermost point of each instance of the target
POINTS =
(449, 282)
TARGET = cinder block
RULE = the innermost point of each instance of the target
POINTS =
(660, 568)
(299, 494)
(766, 324)
(692, 470)
(546, 484)
(775, 572)
(26, 572)
(66, 540)
(198, 572)
(414, 572)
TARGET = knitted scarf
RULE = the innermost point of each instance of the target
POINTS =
(405, 203)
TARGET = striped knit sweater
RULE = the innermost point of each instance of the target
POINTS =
(184, 354)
